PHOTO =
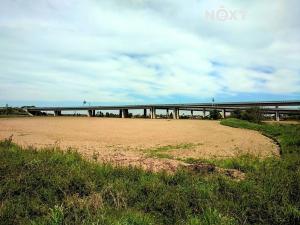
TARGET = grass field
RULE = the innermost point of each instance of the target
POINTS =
(54, 187)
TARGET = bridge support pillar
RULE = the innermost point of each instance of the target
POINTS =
(153, 113)
(145, 113)
(204, 112)
(277, 115)
(91, 113)
(29, 113)
(223, 113)
(57, 113)
(124, 113)
(176, 114)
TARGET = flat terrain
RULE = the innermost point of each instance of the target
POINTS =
(138, 142)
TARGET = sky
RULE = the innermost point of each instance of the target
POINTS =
(61, 52)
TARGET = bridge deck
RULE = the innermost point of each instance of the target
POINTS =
(191, 106)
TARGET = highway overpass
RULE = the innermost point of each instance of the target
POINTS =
(267, 107)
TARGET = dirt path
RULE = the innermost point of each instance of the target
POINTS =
(129, 141)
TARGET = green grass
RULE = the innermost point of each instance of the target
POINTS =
(244, 163)
(164, 151)
(54, 187)
(287, 135)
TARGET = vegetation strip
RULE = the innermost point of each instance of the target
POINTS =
(162, 151)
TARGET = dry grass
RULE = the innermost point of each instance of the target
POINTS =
(151, 144)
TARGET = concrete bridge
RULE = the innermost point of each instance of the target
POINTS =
(267, 107)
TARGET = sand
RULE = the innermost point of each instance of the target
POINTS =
(128, 141)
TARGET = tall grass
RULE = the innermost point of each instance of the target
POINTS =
(54, 187)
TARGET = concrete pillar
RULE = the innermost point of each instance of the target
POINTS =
(168, 115)
(120, 113)
(176, 114)
(153, 113)
(94, 113)
(192, 114)
(145, 113)
(223, 113)
(277, 114)
(57, 113)
(29, 113)
(90, 113)
(124, 113)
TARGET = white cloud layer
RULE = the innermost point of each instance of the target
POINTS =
(147, 50)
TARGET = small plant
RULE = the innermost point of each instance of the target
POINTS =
(95, 155)
(7, 142)
(56, 215)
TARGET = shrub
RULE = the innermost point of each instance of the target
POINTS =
(215, 114)
(237, 113)
(253, 114)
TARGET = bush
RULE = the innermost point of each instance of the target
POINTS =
(253, 114)
(237, 113)
(215, 114)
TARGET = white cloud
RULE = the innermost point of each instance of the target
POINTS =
(128, 51)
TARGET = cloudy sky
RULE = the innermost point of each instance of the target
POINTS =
(148, 51)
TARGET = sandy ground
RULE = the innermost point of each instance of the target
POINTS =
(127, 141)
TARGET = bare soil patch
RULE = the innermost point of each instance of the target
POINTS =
(138, 142)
